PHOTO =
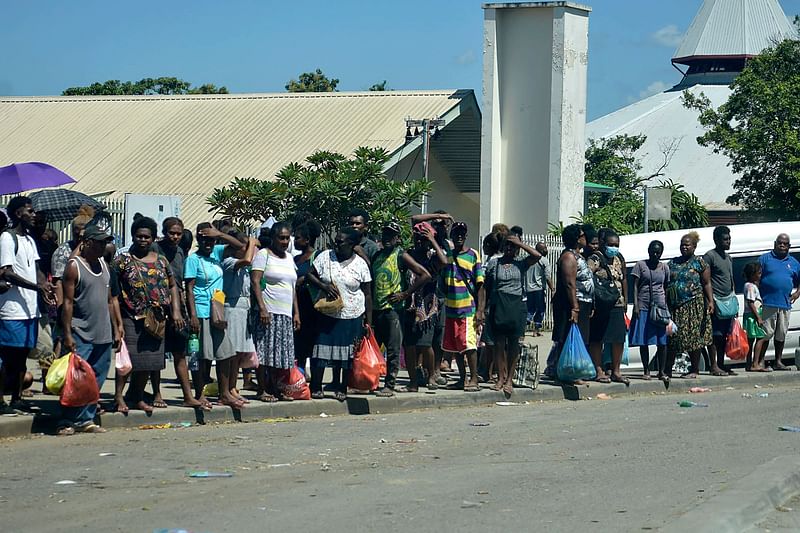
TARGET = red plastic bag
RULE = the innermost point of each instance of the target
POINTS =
(737, 346)
(80, 387)
(293, 383)
(368, 365)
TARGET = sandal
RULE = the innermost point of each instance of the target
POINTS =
(472, 388)
(160, 404)
(285, 398)
(406, 389)
(386, 392)
(341, 396)
(266, 398)
(621, 379)
(603, 379)
(65, 431)
(91, 428)
(318, 395)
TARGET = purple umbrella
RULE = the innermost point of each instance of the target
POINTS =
(26, 176)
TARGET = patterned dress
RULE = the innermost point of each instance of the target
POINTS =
(687, 305)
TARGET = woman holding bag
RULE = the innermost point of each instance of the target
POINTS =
(505, 323)
(342, 277)
(650, 312)
(273, 285)
(203, 275)
(148, 293)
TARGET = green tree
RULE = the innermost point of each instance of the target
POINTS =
(379, 86)
(328, 185)
(312, 82)
(757, 130)
(613, 162)
(163, 85)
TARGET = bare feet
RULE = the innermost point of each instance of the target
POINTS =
(508, 389)
(230, 401)
(122, 407)
(144, 406)
(689, 375)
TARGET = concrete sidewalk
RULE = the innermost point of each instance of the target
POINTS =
(46, 421)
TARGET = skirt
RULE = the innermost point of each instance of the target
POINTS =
(645, 333)
(275, 342)
(751, 327)
(214, 343)
(146, 352)
(306, 337)
(238, 330)
(608, 327)
(562, 325)
(337, 338)
(694, 327)
(418, 333)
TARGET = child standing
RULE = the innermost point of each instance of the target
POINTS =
(753, 324)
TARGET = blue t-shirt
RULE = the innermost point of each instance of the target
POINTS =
(207, 275)
(778, 278)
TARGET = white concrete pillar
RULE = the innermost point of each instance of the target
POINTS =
(534, 113)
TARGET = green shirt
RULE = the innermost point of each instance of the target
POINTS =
(386, 278)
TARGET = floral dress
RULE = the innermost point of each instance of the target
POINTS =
(687, 305)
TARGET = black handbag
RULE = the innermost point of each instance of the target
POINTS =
(606, 293)
(507, 311)
(659, 316)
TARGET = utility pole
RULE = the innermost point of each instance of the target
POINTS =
(428, 125)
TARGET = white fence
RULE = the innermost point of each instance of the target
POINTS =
(554, 247)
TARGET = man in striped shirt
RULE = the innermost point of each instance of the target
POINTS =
(463, 277)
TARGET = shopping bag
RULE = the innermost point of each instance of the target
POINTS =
(123, 363)
(80, 386)
(57, 374)
(574, 362)
(368, 364)
(292, 383)
(737, 346)
(607, 353)
(218, 310)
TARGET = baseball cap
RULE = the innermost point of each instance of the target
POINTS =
(393, 227)
(94, 233)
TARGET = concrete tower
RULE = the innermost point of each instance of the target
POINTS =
(534, 114)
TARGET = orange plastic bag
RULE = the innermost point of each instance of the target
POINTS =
(80, 387)
(368, 365)
(737, 346)
(293, 383)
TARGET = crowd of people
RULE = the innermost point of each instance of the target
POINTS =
(686, 305)
(261, 307)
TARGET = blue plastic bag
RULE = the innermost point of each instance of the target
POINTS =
(607, 353)
(575, 363)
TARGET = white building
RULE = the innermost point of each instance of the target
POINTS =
(715, 49)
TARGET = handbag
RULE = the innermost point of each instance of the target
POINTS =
(659, 315)
(155, 320)
(606, 293)
(323, 304)
(217, 304)
(726, 306)
(507, 312)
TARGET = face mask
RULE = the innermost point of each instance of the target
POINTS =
(612, 251)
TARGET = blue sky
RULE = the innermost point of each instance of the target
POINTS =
(256, 46)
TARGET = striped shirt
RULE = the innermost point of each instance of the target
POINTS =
(458, 299)
(277, 285)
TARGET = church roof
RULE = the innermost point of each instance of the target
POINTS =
(735, 29)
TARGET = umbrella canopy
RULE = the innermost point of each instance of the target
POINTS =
(62, 204)
(26, 176)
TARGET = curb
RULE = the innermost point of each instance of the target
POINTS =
(358, 404)
(746, 502)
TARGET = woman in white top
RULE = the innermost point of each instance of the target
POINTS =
(340, 273)
(273, 279)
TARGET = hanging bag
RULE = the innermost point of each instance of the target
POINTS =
(123, 363)
(659, 315)
(606, 293)
(574, 363)
(216, 303)
(80, 386)
(57, 374)
(292, 383)
(368, 364)
(323, 304)
(155, 320)
(507, 310)
(737, 346)
(726, 306)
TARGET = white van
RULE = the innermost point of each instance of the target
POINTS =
(748, 243)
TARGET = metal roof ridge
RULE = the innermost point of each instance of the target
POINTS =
(230, 96)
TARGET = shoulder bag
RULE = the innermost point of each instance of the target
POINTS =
(726, 306)
(606, 293)
(325, 305)
(507, 310)
(658, 315)
(216, 301)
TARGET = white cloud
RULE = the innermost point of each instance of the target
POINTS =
(467, 58)
(667, 36)
(654, 88)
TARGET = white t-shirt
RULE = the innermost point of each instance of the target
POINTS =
(277, 283)
(18, 303)
(348, 277)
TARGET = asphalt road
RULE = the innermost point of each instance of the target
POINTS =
(627, 464)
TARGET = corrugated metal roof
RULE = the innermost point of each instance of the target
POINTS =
(664, 120)
(734, 28)
(188, 145)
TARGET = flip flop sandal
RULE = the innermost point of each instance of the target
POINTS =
(341, 396)
(266, 398)
(623, 379)
(91, 428)
(319, 395)
(472, 388)
(65, 431)
(385, 393)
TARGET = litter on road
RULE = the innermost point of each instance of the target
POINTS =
(207, 474)
(791, 429)
(687, 403)
(66, 482)
(698, 390)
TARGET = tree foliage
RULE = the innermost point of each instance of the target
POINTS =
(163, 85)
(613, 162)
(328, 185)
(312, 82)
(757, 129)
